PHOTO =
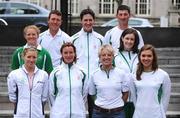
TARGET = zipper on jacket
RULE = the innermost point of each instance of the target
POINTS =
(88, 52)
(69, 73)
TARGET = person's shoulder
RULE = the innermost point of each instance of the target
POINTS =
(162, 72)
(19, 49)
(75, 36)
(42, 72)
(63, 34)
(97, 35)
(119, 70)
(96, 71)
(43, 33)
(15, 72)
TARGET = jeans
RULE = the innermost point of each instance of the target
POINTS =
(97, 114)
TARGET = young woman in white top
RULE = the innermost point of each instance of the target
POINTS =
(152, 86)
(28, 87)
(127, 60)
(109, 85)
(68, 86)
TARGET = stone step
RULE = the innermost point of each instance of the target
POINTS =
(169, 60)
(169, 51)
(5, 67)
(7, 50)
(5, 59)
(173, 69)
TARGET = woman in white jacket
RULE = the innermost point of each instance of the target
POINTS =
(68, 87)
(28, 87)
(152, 86)
(127, 60)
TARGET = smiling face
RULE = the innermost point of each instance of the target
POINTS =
(128, 41)
(54, 22)
(68, 54)
(31, 36)
(146, 58)
(87, 22)
(30, 56)
(106, 58)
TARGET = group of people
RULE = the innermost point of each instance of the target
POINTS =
(115, 76)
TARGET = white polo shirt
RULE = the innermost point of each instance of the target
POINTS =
(108, 87)
(53, 44)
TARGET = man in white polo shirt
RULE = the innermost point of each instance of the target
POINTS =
(53, 38)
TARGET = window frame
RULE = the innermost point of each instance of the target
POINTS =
(143, 7)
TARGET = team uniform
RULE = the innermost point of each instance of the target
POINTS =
(127, 61)
(152, 94)
(87, 46)
(29, 98)
(112, 37)
(68, 90)
(108, 88)
(53, 44)
(43, 60)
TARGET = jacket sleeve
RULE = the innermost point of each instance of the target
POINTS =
(141, 41)
(45, 88)
(51, 88)
(15, 62)
(48, 63)
(166, 92)
(106, 39)
(12, 87)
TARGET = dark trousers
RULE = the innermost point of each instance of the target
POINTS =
(90, 105)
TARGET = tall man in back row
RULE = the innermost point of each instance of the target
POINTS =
(112, 36)
(87, 43)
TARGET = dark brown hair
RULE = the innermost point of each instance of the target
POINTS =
(69, 44)
(140, 67)
(54, 12)
(136, 43)
(123, 7)
(87, 11)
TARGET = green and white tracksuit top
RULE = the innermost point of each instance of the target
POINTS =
(127, 61)
(113, 35)
(43, 60)
(151, 94)
(87, 46)
(68, 90)
(29, 101)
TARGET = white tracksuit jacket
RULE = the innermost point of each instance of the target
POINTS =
(68, 90)
(29, 102)
(87, 46)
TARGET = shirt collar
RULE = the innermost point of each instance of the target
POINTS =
(24, 69)
(57, 34)
(39, 47)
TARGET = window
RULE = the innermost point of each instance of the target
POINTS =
(37, 2)
(143, 7)
(106, 7)
(74, 7)
(22, 9)
(176, 3)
